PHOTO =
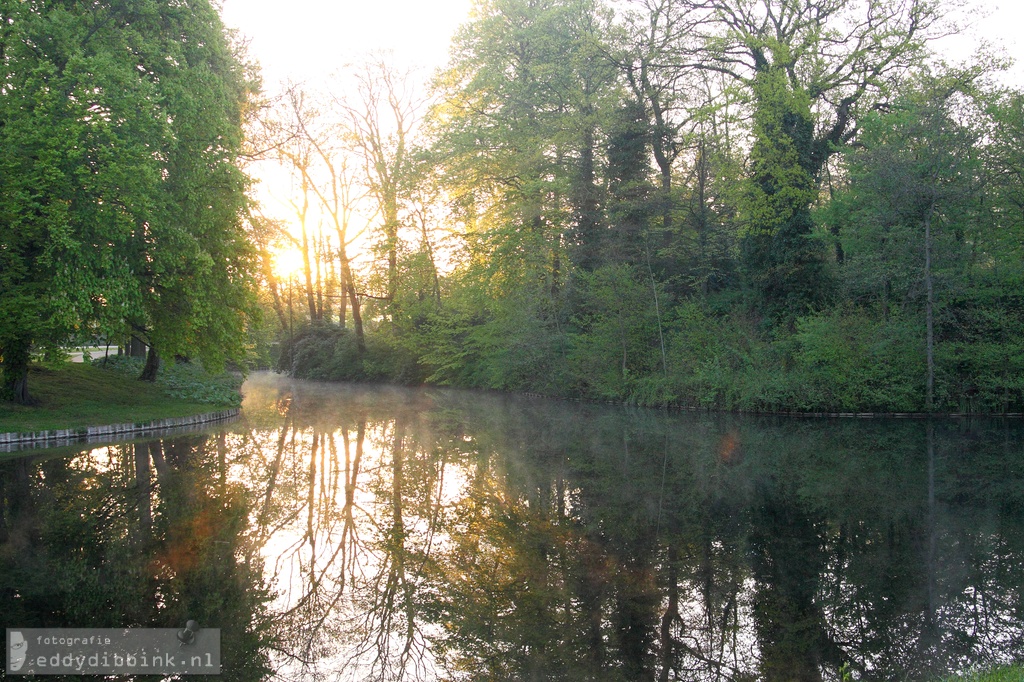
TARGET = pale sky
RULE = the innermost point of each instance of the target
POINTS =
(306, 40)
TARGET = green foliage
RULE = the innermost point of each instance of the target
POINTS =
(120, 198)
(980, 354)
(707, 354)
(849, 360)
(701, 253)
(614, 347)
(515, 344)
(188, 381)
(516, 132)
(1007, 673)
(329, 352)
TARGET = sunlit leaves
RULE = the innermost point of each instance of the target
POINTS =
(119, 127)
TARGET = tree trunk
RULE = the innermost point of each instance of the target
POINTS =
(307, 270)
(357, 317)
(136, 348)
(152, 365)
(318, 247)
(348, 286)
(429, 250)
(273, 285)
(342, 301)
(391, 234)
(930, 311)
(661, 146)
(15, 371)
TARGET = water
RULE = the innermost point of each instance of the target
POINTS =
(350, 533)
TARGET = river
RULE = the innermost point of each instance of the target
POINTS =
(345, 532)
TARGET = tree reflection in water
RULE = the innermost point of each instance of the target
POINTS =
(444, 535)
(135, 535)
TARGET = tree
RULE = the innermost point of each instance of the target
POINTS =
(382, 125)
(786, 268)
(121, 200)
(68, 204)
(517, 132)
(335, 188)
(197, 262)
(649, 60)
(811, 69)
(700, 254)
(914, 179)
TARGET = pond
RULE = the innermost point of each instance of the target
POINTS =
(351, 532)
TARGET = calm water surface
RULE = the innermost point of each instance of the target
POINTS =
(347, 533)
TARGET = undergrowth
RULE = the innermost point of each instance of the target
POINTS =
(183, 380)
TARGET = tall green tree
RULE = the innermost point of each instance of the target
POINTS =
(916, 180)
(518, 132)
(76, 178)
(120, 197)
(197, 287)
(810, 70)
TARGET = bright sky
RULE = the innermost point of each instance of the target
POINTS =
(306, 40)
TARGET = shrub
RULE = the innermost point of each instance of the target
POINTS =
(850, 360)
(184, 380)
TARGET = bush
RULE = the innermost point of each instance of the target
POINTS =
(184, 380)
(849, 360)
(322, 352)
(615, 350)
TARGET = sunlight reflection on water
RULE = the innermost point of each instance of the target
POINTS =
(429, 534)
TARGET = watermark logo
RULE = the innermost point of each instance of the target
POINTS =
(17, 650)
(105, 651)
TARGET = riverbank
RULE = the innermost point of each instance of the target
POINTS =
(76, 395)
(705, 361)
(1014, 673)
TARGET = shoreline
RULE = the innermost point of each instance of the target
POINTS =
(26, 440)
(674, 407)
(780, 413)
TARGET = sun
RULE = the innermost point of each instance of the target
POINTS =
(288, 263)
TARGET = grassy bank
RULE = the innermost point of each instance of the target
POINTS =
(1002, 674)
(75, 395)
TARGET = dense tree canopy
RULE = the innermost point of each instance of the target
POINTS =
(756, 204)
(120, 197)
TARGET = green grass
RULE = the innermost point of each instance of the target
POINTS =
(76, 395)
(1002, 674)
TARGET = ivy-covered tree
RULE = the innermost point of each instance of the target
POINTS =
(810, 70)
(631, 205)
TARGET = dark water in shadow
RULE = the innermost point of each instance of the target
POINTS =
(343, 532)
